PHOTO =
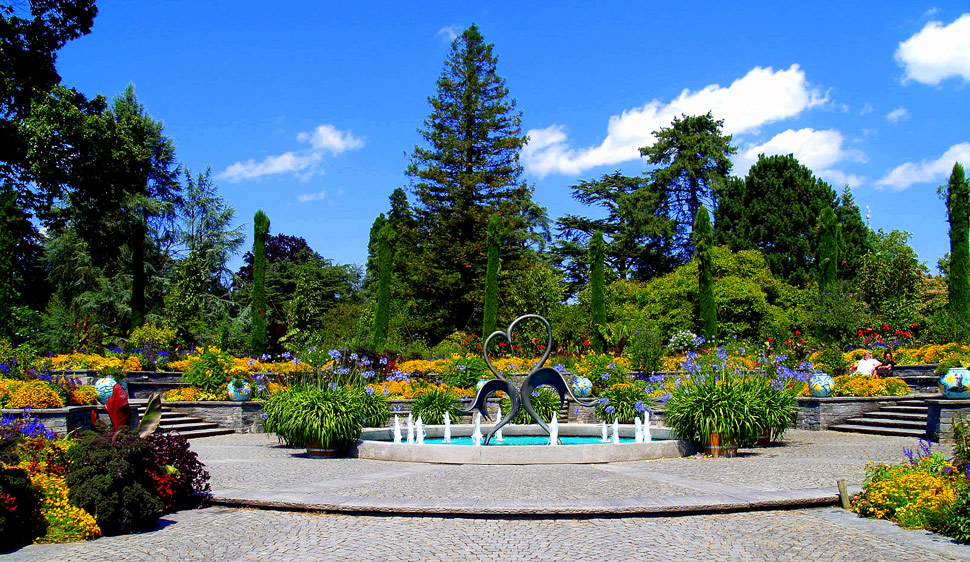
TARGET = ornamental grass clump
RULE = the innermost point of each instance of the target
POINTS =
(623, 402)
(544, 401)
(432, 404)
(331, 416)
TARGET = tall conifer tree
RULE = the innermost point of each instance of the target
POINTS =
(490, 314)
(828, 248)
(385, 266)
(703, 245)
(259, 334)
(958, 206)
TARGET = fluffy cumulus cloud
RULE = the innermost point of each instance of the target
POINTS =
(818, 150)
(760, 97)
(320, 195)
(926, 171)
(937, 52)
(897, 115)
(302, 163)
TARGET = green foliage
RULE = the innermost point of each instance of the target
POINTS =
(184, 475)
(855, 237)
(646, 348)
(828, 248)
(374, 407)
(695, 163)
(432, 404)
(775, 209)
(305, 414)
(385, 261)
(109, 476)
(726, 404)
(259, 335)
(20, 518)
(152, 336)
(8, 243)
(706, 307)
(538, 289)
(955, 521)
(490, 314)
(465, 372)
(622, 402)
(638, 233)
(837, 314)
(211, 372)
(890, 278)
(544, 401)
(958, 212)
(945, 327)
(597, 249)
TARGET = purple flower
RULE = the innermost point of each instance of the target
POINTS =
(605, 376)
(369, 390)
(610, 409)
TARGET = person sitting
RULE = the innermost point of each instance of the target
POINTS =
(886, 369)
(867, 365)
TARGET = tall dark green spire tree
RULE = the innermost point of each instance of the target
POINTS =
(597, 281)
(490, 313)
(693, 159)
(828, 248)
(704, 247)
(467, 170)
(258, 338)
(958, 207)
(385, 266)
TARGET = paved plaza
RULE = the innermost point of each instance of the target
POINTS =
(412, 511)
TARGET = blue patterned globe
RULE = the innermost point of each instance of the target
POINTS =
(956, 383)
(105, 386)
(480, 384)
(582, 387)
(821, 385)
(239, 393)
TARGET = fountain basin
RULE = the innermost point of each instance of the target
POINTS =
(376, 444)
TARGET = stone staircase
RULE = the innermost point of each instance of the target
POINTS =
(907, 420)
(190, 427)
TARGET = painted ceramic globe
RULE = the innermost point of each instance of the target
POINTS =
(480, 384)
(105, 386)
(582, 387)
(239, 393)
(821, 385)
(956, 383)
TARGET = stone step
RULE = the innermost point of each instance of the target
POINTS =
(854, 428)
(905, 409)
(198, 425)
(197, 433)
(887, 423)
(882, 414)
(181, 420)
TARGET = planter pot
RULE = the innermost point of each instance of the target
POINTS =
(821, 385)
(715, 446)
(313, 449)
(764, 439)
(239, 393)
(105, 385)
(955, 384)
(582, 387)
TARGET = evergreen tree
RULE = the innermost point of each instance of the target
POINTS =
(597, 253)
(855, 238)
(8, 245)
(385, 260)
(639, 234)
(703, 244)
(828, 249)
(958, 207)
(259, 336)
(695, 163)
(468, 170)
(775, 209)
(490, 314)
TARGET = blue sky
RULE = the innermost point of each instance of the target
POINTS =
(308, 110)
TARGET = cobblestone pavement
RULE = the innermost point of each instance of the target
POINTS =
(224, 534)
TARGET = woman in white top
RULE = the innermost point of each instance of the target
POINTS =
(867, 365)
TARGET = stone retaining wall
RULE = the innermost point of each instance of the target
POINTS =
(818, 414)
(62, 420)
(242, 417)
(941, 414)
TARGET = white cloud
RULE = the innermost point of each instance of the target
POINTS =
(938, 170)
(817, 150)
(866, 109)
(449, 33)
(762, 96)
(937, 52)
(327, 137)
(312, 196)
(302, 163)
(897, 115)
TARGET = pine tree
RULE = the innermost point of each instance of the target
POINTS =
(259, 336)
(828, 249)
(597, 253)
(385, 264)
(958, 280)
(703, 244)
(490, 314)
(468, 171)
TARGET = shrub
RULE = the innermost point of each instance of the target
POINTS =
(544, 401)
(20, 516)
(603, 369)
(432, 404)
(180, 478)
(861, 385)
(374, 407)
(210, 372)
(464, 372)
(622, 401)
(109, 476)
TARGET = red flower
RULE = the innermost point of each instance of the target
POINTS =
(803, 342)
(885, 326)
(915, 324)
(797, 333)
(501, 344)
(771, 340)
(906, 334)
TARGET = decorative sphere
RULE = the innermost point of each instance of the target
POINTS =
(105, 386)
(480, 384)
(821, 385)
(239, 393)
(956, 383)
(582, 387)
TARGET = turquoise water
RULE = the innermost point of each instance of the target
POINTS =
(529, 440)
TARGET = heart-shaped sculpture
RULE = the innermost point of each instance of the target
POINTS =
(507, 334)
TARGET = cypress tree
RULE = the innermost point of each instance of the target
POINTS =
(597, 279)
(258, 336)
(138, 280)
(958, 207)
(385, 269)
(828, 248)
(703, 245)
(490, 314)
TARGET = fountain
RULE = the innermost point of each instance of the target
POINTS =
(419, 431)
(616, 431)
(397, 429)
(646, 428)
(606, 433)
(498, 434)
(554, 431)
(410, 428)
(638, 431)
(477, 432)
(447, 436)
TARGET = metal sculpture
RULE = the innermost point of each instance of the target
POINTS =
(522, 397)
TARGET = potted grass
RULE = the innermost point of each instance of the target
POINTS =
(717, 412)
(325, 420)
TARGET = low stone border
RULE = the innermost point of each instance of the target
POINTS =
(239, 416)
(818, 414)
(62, 420)
(376, 444)
(941, 413)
